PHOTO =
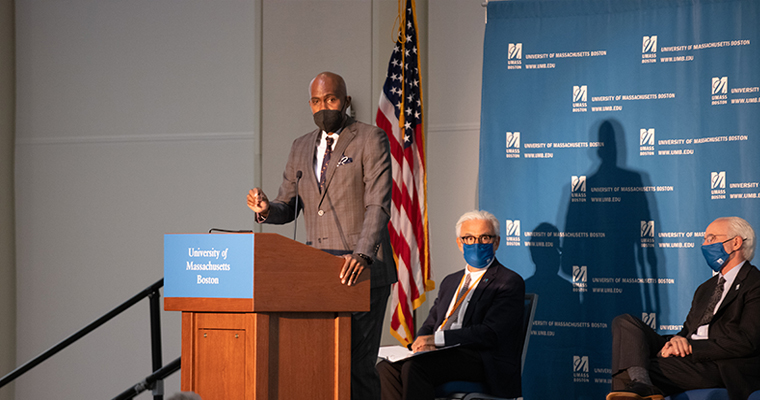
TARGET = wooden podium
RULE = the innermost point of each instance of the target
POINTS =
(290, 340)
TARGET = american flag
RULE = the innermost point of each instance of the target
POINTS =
(400, 115)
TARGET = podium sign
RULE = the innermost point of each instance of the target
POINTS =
(208, 265)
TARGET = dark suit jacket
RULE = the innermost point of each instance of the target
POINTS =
(352, 213)
(492, 325)
(734, 336)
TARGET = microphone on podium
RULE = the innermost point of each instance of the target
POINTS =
(299, 174)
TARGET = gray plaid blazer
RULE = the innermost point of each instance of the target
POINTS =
(352, 214)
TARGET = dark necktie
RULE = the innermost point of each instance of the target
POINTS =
(710, 310)
(454, 317)
(325, 162)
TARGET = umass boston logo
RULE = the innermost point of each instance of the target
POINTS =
(646, 142)
(580, 96)
(718, 185)
(647, 233)
(513, 144)
(578, 189)
(650, 319)
(513, 232)
(719, 90)
(580, 278)
(514, 56)
(580, 369)
(649, 49)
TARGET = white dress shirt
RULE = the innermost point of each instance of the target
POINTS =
(703, 330)
(321, 151)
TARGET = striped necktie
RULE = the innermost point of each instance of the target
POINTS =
(710, 310)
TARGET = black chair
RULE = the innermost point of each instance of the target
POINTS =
(465, 390)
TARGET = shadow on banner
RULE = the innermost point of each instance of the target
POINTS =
(572, 322)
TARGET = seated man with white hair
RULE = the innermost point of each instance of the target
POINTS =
(480, 311)
(719, 345)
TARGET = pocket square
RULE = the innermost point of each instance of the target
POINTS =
(345, 160)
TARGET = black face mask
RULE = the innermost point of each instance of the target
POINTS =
(329, 120)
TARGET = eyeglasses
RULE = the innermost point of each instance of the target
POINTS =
(482, 239)
(710, 238)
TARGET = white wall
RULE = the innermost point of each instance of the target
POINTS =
(456, 30)
(297, 45)
(134, 119)
(7, 233)
(141, 117)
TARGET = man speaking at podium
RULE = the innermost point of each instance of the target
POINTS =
(342, 174)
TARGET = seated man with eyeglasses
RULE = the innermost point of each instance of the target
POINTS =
(719, 345)
(479, 311)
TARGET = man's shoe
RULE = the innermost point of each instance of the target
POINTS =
(637, 391)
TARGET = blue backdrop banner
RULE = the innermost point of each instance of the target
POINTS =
(612, 134)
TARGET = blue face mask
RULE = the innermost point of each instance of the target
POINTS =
(715, 255)
(478, 255)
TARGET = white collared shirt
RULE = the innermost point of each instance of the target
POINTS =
(702, 331)
(321, 151)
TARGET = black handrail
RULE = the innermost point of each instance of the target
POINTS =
(150, 380)
(151, 291)
(155, 337)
